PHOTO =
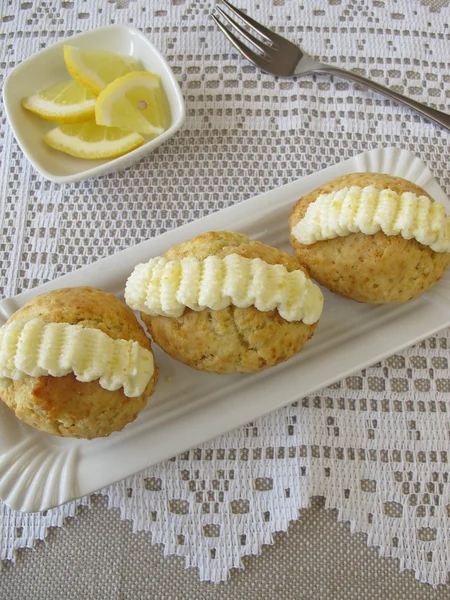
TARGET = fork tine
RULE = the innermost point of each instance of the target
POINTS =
(264, 32)
(248, 36)
(256, 59)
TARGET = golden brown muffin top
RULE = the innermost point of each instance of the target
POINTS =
(223, 243)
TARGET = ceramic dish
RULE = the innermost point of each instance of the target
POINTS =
(47, 67)
(39, 471)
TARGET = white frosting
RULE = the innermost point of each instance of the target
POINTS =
(369, 210)
(37, 348)
(166, 287)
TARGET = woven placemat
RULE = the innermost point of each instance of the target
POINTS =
(96, 556)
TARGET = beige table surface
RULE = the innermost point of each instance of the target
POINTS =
(97, 556)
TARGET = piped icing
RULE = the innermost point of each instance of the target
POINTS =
(37, 348)
(369, 210)
(167, 287)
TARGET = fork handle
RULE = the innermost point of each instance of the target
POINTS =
(437, 116)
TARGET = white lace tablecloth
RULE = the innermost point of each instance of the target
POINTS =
(376, 444)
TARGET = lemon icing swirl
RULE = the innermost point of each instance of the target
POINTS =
(369, 210)
(37, 348)
(166, 287)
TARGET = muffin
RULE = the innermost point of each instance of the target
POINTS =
(224, 303)
(371, 237)
(76, 363)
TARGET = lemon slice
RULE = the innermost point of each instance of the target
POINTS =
(95, 69)
(65, 102)
(135, 102)
(89, 140)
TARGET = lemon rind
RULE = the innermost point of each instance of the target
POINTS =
(74, 113)
(58, 140)
(78, 69)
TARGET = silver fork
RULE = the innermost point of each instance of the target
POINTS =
(279, 56)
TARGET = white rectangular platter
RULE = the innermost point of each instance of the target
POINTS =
(38, 471)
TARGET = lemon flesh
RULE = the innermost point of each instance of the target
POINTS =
(135, 102)
(92, 141)
(95, 69)
(65, 102)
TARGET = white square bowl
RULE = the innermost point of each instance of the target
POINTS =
(47, 67)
